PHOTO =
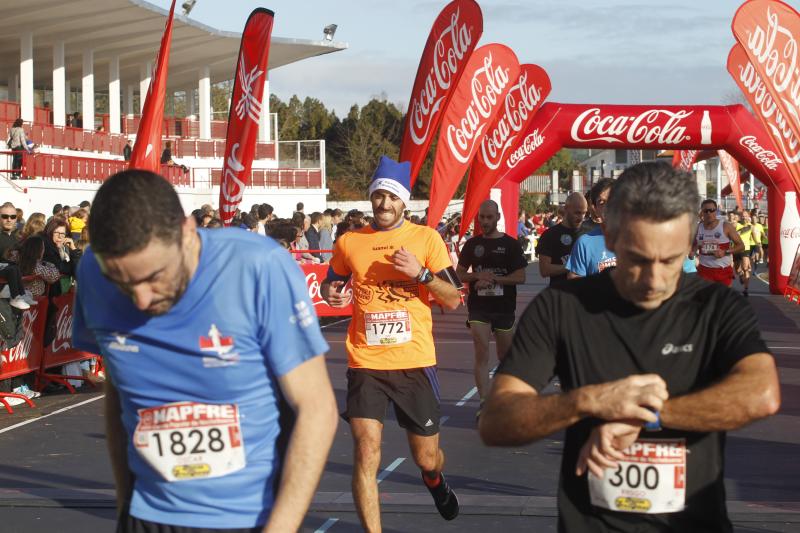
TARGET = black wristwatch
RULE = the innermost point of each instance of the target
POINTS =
(425, 276)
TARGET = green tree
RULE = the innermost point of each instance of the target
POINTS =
(562, 162)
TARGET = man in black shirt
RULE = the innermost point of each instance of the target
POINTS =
(498, 266)
(641, 343)
(555, 244)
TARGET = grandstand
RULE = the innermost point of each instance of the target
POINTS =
(77, 56)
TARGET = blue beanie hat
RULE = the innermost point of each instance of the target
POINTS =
(393, 177)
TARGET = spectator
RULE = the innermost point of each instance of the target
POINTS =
(34, 225)
(77, 120)
(326, 235)
(208, 209)
(283, 232)
(166, 157)
(126, 152)
(198, 217)
(18, 143)
(214, 223)
(8, 241)
(249, 223)
(264, 213)
(9, 236)
(300, 207)
(86, 204)
(29, 259)
(313, 233)
(336, 218)
(341, 228)
(20, 220)
(60, 250)
(302, 223)
(66, 211)
(57, 210)
(77, 222)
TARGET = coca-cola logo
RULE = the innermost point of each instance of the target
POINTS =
(763, 104)
(687, 159)
(232, 186)
(63, 338)
(775, 49)
(521, 103)
(532, 141)
(487, 86)
(21, 351)
(768, 158)
(655, 126)
(790, 233)
(449, 54)
(315, 294)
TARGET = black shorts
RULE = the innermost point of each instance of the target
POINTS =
(131, 524)
(414, 393)
(498, 321)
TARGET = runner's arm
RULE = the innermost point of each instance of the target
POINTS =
(116, 442)
(515, 414)
(469, 277)
(750, 391)
(547, 269)
(308, 390)
(444, 293)
(515, 278)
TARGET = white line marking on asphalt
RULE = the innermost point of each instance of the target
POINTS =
(15, 426)
(327, 525)
(444, 419)
(389, 469)
(473, 391)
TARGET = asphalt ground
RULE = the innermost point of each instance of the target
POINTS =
(55, 475)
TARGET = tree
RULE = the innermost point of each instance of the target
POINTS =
(562, 162)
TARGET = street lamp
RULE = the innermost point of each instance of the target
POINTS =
(187, 6)
(329, 31)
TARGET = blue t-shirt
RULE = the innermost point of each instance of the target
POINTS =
(590, 255)
(244, 320)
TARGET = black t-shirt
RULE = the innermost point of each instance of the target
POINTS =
(556, 243)
(584, 332)
(502, 256)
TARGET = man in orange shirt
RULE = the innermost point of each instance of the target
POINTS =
(395, 266)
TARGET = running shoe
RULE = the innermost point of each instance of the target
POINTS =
(444, 498)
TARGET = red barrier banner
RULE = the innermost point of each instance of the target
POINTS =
(504, 138)
(315, 275)
(60, 350)
(146, 152)
(776, 123)
(684, 159)
(26, 356)
(731, 168)
(452, 39)
(476, 103)
(246, 107)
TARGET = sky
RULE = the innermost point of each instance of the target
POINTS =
(595, 51)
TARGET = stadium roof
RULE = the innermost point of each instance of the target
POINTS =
(132, 30)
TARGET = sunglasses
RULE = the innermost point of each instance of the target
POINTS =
(7, 217)
(709, 210)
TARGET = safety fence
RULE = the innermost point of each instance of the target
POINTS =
(46, 344)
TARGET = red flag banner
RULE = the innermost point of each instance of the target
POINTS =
(731, 168)
(509, 204)
(146, 153)
(684, 159)
(246, 107)
(478, 99)
(505, 137)
(452, 39)
(767, 31)
(764, 106)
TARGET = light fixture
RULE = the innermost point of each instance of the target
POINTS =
(329, 31)
(187, 6)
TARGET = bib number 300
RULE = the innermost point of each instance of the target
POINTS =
(651, 479)
(189, 440)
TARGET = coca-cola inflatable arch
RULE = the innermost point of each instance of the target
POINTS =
(730, 128)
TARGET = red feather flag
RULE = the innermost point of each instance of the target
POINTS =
(504, 138)
(452, 39)
(247, 103)
(478, 99)
(146, 153)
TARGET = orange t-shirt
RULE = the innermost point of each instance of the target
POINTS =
(391, 327)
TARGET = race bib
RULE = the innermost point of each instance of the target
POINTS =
(709, 248)
(387, 327)
(189, 440)
(495, 290)
(651, 479)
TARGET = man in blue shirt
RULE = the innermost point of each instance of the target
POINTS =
(590, 255)
(219, 410)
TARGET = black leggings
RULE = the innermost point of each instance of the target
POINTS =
(13, 278)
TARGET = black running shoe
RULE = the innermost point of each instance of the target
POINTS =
(445, 499)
